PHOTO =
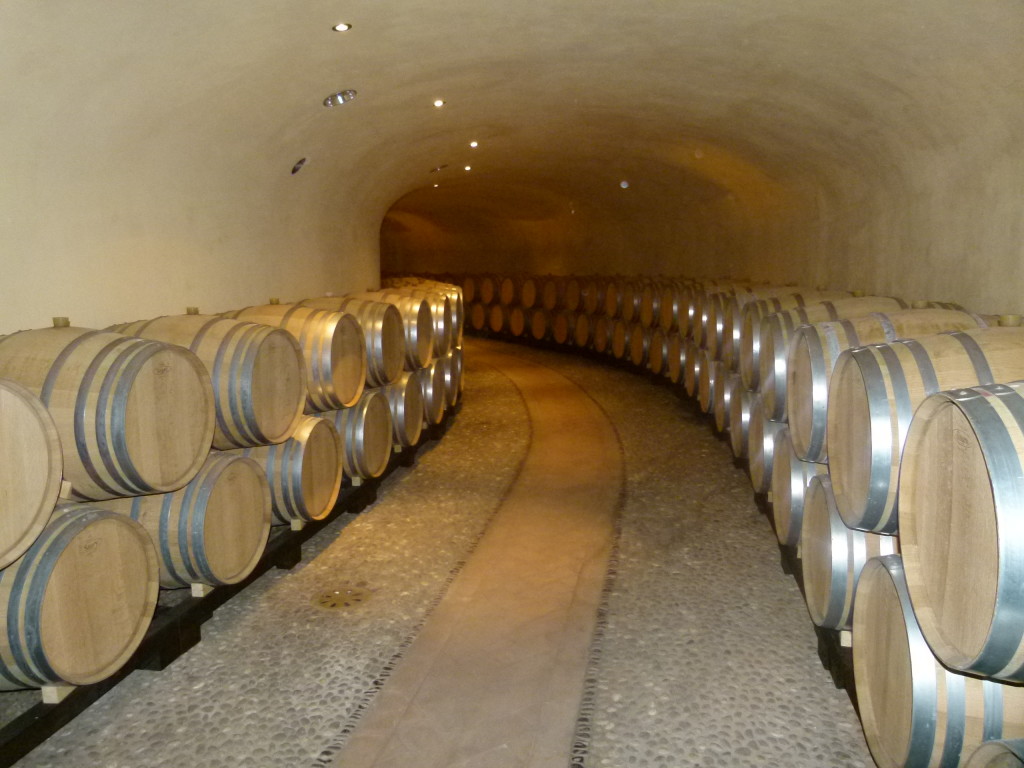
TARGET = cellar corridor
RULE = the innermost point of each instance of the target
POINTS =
(577, 563)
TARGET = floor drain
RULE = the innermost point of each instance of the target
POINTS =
(347, 596)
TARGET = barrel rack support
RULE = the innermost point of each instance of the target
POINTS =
(176, 629)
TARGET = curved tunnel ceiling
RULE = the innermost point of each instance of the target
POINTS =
(825, 141)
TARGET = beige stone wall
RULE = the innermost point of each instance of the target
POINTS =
(147, 150)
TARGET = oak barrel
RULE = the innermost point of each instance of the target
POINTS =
(763, 357)
(383, 334)
(620, 338)
(304, 472)
(405, 398)
(77, 604)
(133, 416)
(540, 323)
(790, 478)
(563, 324)
(602, 340)
(813, 351)
(451, 364)
(961, 507)
(675, 353)
(761, 446)
(639, 344)
(498, 318)
(333, 348)
(739, 422)
(258, 373)
(582, 330)
(1008, 753)
(477, 318)
(516, 321)
(212, 531)
(365, 431)
(432, 383)
(30, 469)
(418, 322)
(832, 556)
(914, 711)
(872, 398)
(440, 308)
(657, 351)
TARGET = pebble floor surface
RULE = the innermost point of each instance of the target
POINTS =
(704, 654)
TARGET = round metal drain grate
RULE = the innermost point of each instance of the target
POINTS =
(347, 596)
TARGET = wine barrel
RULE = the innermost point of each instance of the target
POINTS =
(650, 305)
(961, 505)
(486, 288)
(30, 469)
(620, 338)
(508, 290)
(887, 382)
(743, 317)
(469, 288)
(333, 347)
(790, 478)
(477, 317)
(657, 351)
(813, 351)
(763, 355)
(528, 292)
(432, 385)
(304, 471)
(613, 296)
(516, 321)
(212, 531)
(675, 357)
(365, 431)
(761, 446)
(1008, 753)
(639, 344)
(549, 293)
(691, 371)
(383, 334)
(497, 318)
(739, 422)
(603, 328)
(453, 292)
(133, 416)
(77, 604)
(571, 294)
(563, 323)
(709, 376)
(591, 296)
(540, 323)
(405, 398)
(832, 556)
(451, 364)
(730, 383)
(418, 322)
(582, 330)
(259, 376)
(630, 308)
(440, 308)
(915, 712)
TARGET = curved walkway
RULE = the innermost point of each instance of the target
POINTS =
(496, 675)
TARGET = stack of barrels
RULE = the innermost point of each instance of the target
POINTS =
(159, 453)
(887, 437)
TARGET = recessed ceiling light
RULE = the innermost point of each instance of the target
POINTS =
(438, 103)
(298, 166)
(469, 168)
(624, 184)
(343, 27)
(439, 168)
(474, 144)
(436, 186)
(339, 98)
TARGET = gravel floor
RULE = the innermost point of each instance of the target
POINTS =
(706, 656)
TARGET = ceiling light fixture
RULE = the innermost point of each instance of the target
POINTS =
(339, 98)
(438, 103)
(469, 168)
(474, 144)
(624, 184)
(343, 27)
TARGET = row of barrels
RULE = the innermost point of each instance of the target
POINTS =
(159, 454)
(889, 438)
